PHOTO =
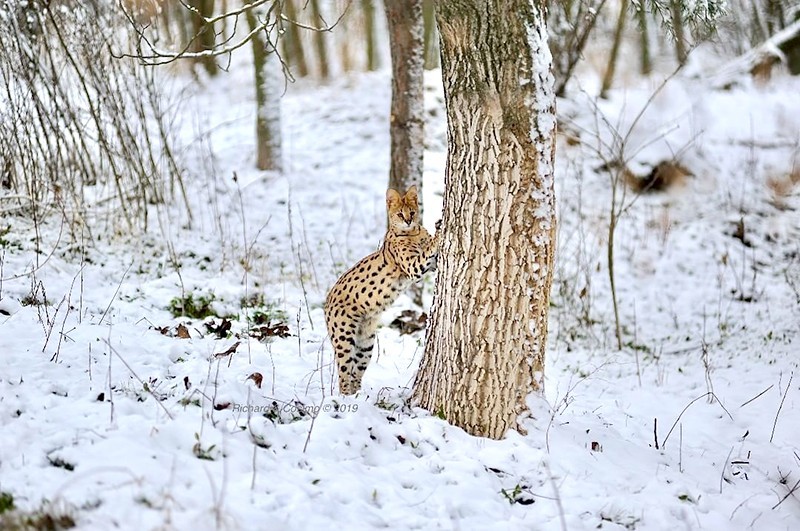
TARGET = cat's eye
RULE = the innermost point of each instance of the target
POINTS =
(413, 213)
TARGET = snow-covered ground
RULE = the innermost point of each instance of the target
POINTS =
(108, 412)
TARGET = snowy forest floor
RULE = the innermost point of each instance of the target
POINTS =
(121, 415)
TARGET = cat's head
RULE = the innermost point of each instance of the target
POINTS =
(403, 211)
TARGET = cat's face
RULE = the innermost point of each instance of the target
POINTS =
(403, 211)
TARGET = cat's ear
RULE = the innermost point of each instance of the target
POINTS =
(411, 195)
(392, 197)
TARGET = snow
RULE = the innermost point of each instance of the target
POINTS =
(543, 121)
(88, 380)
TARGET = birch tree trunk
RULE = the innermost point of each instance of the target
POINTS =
(487, 334)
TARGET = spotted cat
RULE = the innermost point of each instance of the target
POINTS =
(355, 302)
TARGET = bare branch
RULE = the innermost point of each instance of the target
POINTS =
(149, 54)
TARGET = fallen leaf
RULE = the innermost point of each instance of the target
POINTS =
(257, 378)
(230, 350)
(182, 332)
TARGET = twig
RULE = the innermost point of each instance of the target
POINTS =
(758, 395)
(133, 373)
(664, 444)
(311, 427)
(775, 423)
(655, 432)
(557, 498)
(115, 293)
(791, 491)
(724, 467)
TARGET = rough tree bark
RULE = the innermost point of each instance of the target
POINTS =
(487, 333)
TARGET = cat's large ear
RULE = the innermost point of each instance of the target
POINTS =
(392, 197)
(411, 195)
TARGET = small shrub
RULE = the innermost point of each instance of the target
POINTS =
(6, 502)
(47, 518)
(194, 307)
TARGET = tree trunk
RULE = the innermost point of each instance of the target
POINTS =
(608, 78)
(680, 34)
(431, 35)
(487, 334)
(204, 34)
(645, 63)
(368, 13)
(268, 115)
(407, 120)
(319, 40)
(292, 44)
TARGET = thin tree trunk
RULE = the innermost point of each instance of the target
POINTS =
(407, 111)
(319, 41)
(431, 35)
(368, 14)
(165, 21)
(608, 78)
(646, 62)
(680, 33)
(204, 34)
(487, 334)
(407, 120)
(266, 68)
(292, 45)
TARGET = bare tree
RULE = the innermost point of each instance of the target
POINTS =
(77, 125)
(265, 23)
(571, 22)
(487, 334)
